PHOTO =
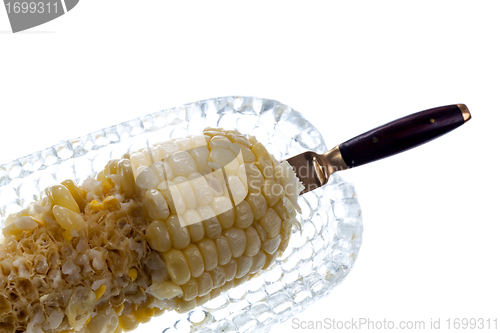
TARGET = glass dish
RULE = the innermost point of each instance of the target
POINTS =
(320, 254)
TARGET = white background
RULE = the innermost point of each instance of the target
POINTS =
(431, 247)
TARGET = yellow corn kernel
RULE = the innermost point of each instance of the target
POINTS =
(68, 219)
(132, 274)
(141, 315)
(128, 322)
(119, 309)
(111, 203)
(95, 206)
(141, 290)
(107, 185)
(61, 196)
(158, 312)
(125, 170)
(148, 312)
(76, 192)
(67, 235)
(100, 176)
(100, 291)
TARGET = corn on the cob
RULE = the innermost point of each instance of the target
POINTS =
(168, 227)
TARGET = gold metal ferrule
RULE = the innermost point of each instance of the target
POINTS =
(465, 112)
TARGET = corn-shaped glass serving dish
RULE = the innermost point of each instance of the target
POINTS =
(320, 252)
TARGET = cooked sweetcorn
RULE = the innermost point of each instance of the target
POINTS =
(168, 227)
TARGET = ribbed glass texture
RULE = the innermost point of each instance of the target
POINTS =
(320, 254)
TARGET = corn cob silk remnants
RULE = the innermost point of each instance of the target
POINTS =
(168, 227)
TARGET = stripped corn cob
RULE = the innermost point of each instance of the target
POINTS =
(165, 228)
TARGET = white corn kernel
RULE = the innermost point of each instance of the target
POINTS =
(194, 260)
(235, 149)
(270, 259)
(237, 241)
(200, 300)
(138, 159)
(271, 222)
(223, 250)
(24, 223)
(80, 307)
(215, 293)
(185, 306)
(272, 192)
(239, 139)
(198, 141)
(182, 163)
(193, 220)
(209, 251)
(204, 194)
(238, 191)
(259, 260)
(158, 236)
(248, 156)
(261, 231)
(168, 149)
(212, 226)
(178, 231)
(200, 156)
(271, 244)
(190, 290)
(146, 178)
(184, 143)
(205, 284)
(223, 208)
(265, 166)
(244, 215)
(153, 153)
(186, 190)
(219, 141)
(230, 269)
(244, 265)
(253, 176)
(241, 280)
(164, 290)
(177, 266)
(216, 182)
(253, 242)
(226, 159)
(163, 170)
(155, 205)
(258, 204)
(68, 219)
(173, 196)
(218, 276)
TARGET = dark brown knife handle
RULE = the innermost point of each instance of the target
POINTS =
(403, 134)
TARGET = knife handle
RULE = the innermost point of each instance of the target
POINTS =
(403, 134)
